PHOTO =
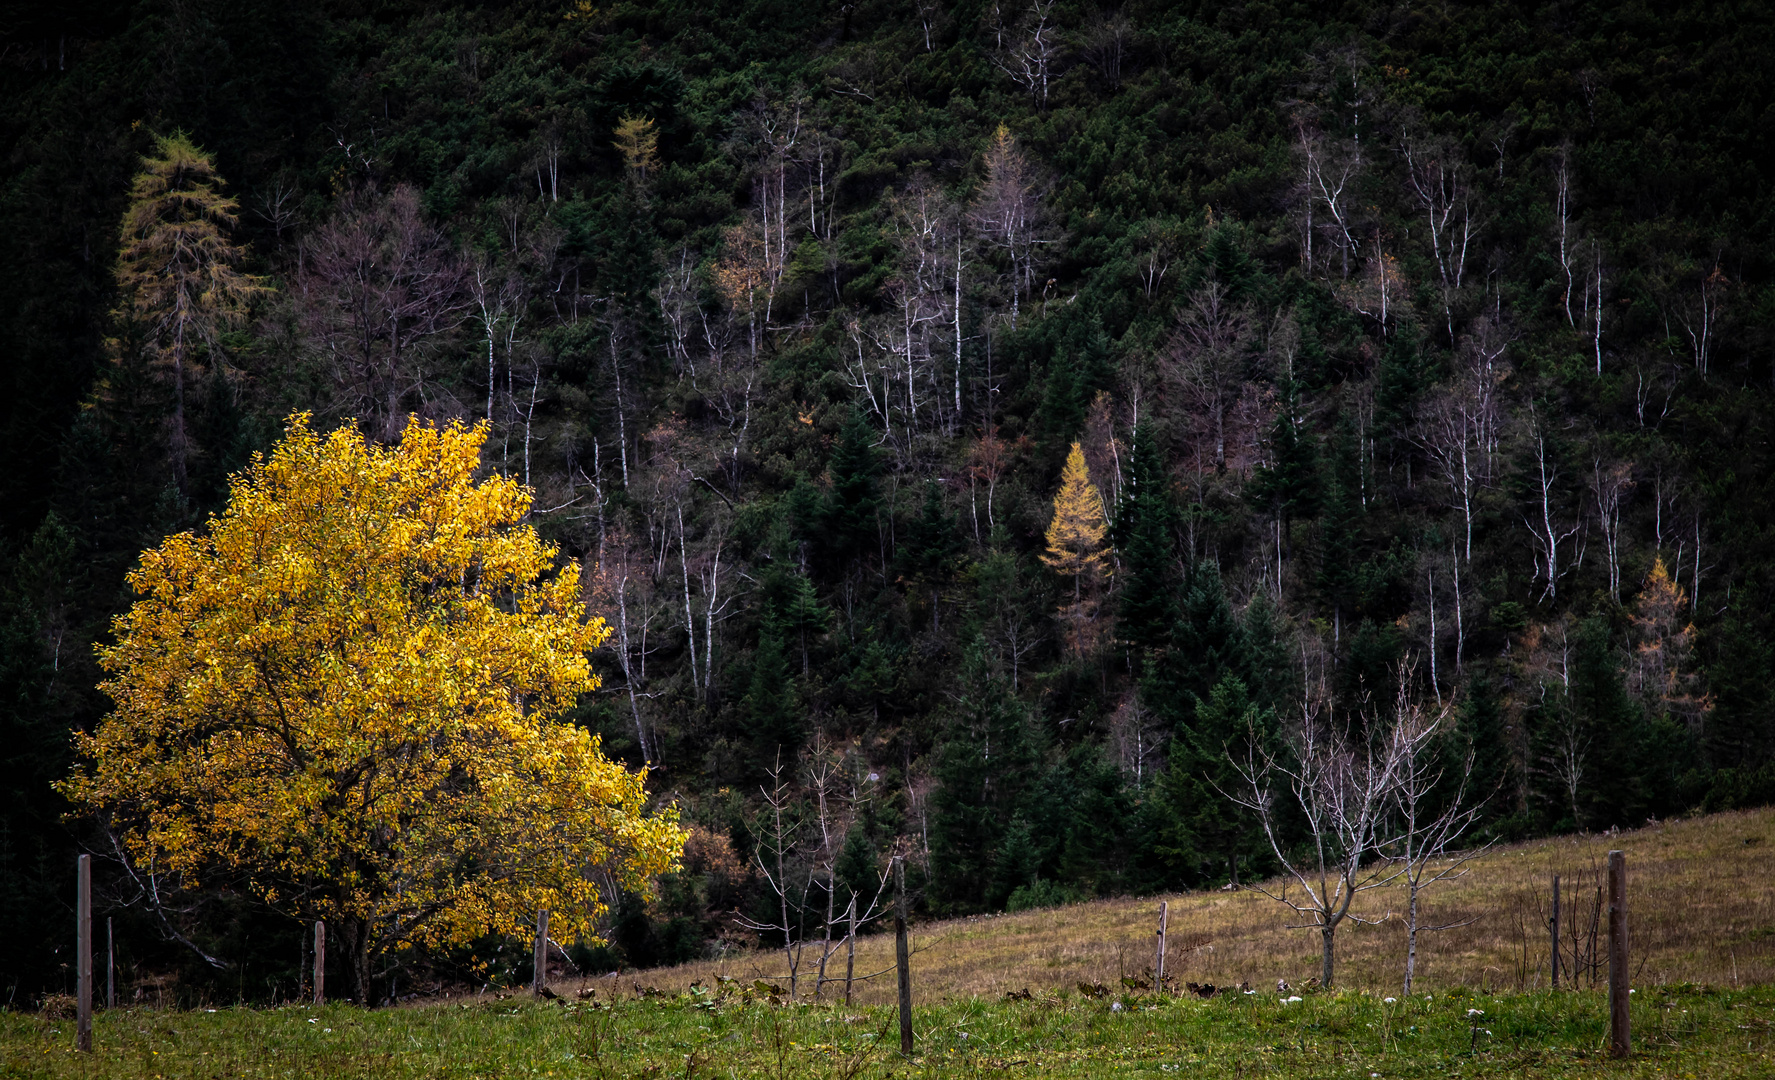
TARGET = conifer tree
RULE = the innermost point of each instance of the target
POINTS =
(803, 615)
(1197, 831)
(931, 545)
(773, 721)
(1143, 533)
(850, 514)
(178, 271)
(1075, 536)
(987, 767)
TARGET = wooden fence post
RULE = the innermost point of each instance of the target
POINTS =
(539, 978)
(320, 962)
(1159, 968)
(1554, 922)
(902, 958)
(1620, 1042)
(83, 953)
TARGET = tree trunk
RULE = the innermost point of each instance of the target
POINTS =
(357, 956)
(1411, 937)
(1327, 936)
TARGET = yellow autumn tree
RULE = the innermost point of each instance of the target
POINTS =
(346, 697)
(638, 143)
(1663, 669)
(1075, 536)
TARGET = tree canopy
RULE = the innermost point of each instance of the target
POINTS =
(346, 695)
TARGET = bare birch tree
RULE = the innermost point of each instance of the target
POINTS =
(1007, 213)
(1431, 820)
(1207, 360)
(1554, 539)
(1344, 784)
(1029, 49)
(1441, 183)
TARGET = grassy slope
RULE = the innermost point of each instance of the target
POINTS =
(1701, 908)
(1701, 903)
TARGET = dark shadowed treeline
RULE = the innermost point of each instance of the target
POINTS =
(1436, 338)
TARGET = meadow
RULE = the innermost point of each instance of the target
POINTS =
(735, 1033)
(1701, 909)
(1002, 996)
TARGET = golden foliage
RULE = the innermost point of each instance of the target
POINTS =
(638, 144)
(1663, 672)
(346, 695)
(176, 268)
(1075, 536)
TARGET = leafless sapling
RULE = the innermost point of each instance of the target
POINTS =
(1344, 783)
(1430, 823)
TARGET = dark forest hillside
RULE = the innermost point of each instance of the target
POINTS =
(1422, 336)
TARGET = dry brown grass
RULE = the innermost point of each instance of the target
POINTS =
(1701, 904)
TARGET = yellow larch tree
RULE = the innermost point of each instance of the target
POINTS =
(1662, 672)
(638, 143)
(1076, 547)
(1075, 536)
(346, 697)
(178, 270)
(1076, 550)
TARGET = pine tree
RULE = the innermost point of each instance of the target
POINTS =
(1339, 524)
(1199, 831)
(803, 615)
(1288, 486)
(773, 721)
(1145, 523)
(986, 765)
(1208, 644)
(850, 517)
(177, 270)
(930, 547)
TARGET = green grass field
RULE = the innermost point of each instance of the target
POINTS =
(1700, 907)
(1679, 1032)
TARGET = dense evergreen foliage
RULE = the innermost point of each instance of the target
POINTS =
(1389, 334)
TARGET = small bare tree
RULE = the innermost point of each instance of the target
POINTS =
(777, 844)
(1345, 783)
(792, 867)
(1206, 359)
(1427, 829)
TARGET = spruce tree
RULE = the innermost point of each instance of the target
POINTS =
(773, 720)
(850, 517)
(1144, 535)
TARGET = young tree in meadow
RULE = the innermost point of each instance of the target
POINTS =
(1343, 784)
(1433, 816)
(178, 270)
(347, 698)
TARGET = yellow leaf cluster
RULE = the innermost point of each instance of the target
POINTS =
(638, 143)
(346, 695)
(1075, 536)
